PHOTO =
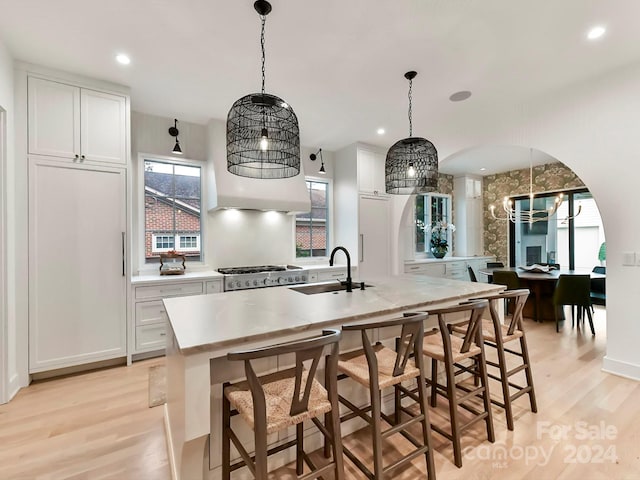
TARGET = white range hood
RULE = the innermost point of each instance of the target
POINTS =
(227, 190)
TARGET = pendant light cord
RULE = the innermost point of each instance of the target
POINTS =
(264, 19)
(410, 120)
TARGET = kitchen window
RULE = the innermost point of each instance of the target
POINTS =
(172, 208)
(431, 208)
(312, 228)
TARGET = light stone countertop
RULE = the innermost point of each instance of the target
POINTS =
(207, 322)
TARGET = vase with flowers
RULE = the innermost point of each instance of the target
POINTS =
(439, 237)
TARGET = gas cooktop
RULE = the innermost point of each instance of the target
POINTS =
(254, 269)
(259, 276)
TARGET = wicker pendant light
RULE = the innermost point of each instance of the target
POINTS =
(263, 138)
(412, 163)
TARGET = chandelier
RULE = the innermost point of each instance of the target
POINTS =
(263, 138)
(530, 215)
(411, 165)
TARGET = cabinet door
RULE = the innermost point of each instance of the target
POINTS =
(374, 247)
(77, 283)
(54, 118)
(103, 132)
(370, 172)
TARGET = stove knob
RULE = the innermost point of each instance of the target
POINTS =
(304, 278)
(230, 285)
(281, 280)
(247, 283)
(297, 279)
(290, 279)
(238, 284)
(255, 283)
(266, 281)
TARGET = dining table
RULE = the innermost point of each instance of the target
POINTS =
(540, 305)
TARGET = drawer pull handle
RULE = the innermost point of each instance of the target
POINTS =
(163, 334)
(414, 268)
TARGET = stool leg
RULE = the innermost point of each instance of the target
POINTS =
(434, 380)
(299, 448)
(453, 412)
(486, 398)
(377, 432)
(260, 436)
(504, 379)
(336, 441)
(529, 375)
(426, 427)
(226, 440)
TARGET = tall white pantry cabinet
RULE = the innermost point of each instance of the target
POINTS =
(78, 224)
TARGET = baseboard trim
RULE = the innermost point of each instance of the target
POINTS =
(87, 367)
(620, 368)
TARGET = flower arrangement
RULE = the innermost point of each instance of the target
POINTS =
(438, 232)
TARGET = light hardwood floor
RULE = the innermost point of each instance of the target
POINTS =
(98, 425)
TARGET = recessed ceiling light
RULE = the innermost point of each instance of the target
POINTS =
(460, 96)
(482, 169)
(123, 59)
(596, 32)
(380, 131)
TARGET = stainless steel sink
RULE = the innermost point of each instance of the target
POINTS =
(327, 287)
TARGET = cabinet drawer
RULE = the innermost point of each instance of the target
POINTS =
(414, 268)
(430, 269)
(214, 286)
(150, 312)
(172, 290)
(151, 337)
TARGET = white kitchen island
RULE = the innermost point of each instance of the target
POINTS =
(204, 328)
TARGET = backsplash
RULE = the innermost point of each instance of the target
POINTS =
(546, 178)
(249, 237)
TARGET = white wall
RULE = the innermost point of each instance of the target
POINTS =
(8, 342)
(592, 128)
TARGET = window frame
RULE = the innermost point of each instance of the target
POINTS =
(428, 220)
(139, 226)
(569, 198)
(328, 222)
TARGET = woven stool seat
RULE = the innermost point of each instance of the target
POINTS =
(433, 347)
(278, 390)
(354, 364)
(489, 334)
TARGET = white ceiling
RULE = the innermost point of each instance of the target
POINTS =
(338, 63)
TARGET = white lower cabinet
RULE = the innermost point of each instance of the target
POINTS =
(454, 269)
(149, 317)
(77, 274)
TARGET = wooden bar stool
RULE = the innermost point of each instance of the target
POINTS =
(377, 367)
(273, 402)
(496, 335)
(442, 346)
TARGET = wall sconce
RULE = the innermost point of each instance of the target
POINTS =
(173, 131)
(313, 157)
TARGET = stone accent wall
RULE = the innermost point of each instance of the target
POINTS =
(546, 178)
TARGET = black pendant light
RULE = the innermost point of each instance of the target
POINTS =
(412, 163)
(263, 138)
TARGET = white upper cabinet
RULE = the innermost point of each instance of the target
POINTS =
(103, 128)
(54, 118)
(371, 171)
(76, 123)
